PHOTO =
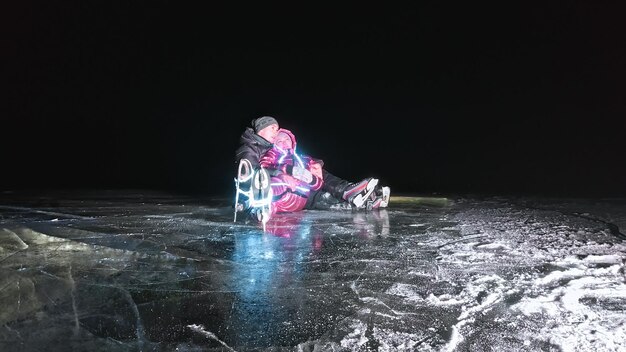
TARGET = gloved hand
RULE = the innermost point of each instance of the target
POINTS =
(291, 182)
(316, 169)
(301, 174)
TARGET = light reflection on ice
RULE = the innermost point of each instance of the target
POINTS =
(473, 276)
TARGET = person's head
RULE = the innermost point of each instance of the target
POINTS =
(285, 140)
(266, 127)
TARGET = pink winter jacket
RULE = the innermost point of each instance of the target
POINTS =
(285, 199)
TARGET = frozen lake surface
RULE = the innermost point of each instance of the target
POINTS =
(129, 271)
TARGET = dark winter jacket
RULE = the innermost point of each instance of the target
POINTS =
(252, 147)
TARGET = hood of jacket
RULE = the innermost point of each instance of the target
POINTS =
(291, 136)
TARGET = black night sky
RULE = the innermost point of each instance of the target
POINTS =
(437, 98)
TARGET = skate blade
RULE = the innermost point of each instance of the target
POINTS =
(386, 195)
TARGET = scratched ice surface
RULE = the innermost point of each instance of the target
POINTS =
(104, 271)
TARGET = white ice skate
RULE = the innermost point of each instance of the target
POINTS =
(261, 196)
(378, 199)
(242, 186)
(361, 192)
(253, 192)
(386, 195)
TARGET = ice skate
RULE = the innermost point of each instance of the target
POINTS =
(358, 194)
(253, 192)
(261, 195)
(242, 186)
(379, 198)
(385, 195)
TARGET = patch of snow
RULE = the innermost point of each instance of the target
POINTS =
(404, 290)
(443, 300)
(603, 259)
(575, 318)
(389, 340)
(356, 338)
(493, 246)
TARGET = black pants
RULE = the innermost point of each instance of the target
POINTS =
(333, 184)
(331, 192)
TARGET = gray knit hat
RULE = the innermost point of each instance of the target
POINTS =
(262, 122)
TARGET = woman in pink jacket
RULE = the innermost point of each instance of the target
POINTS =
(298, 176)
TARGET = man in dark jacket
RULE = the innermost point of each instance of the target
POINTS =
(257, 140)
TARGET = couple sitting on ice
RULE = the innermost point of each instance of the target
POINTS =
(273, 178)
